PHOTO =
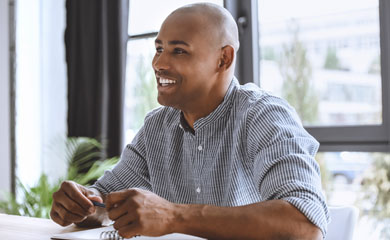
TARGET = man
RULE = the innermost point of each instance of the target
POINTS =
(219, 160)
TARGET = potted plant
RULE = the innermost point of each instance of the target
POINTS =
(85, 166)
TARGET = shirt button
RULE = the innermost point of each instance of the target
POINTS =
(198, 190)
(200, 148)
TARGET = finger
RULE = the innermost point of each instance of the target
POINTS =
(95, 198)
(92, 195)
(130, 230)
(74, 192)
(124, 220)
(67, 215)
(116, 197)
(56, 218)
(117, 211)
(72, 206)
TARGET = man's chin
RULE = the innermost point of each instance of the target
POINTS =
(165, 101)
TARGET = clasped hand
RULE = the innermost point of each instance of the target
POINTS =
(134, 211)
(140, 212)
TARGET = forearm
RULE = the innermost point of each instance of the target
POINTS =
(275, 219)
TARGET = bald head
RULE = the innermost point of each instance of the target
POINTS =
(216, 22)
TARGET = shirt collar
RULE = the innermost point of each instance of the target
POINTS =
(184, 125)
(219, 112)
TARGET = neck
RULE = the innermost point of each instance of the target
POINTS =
(206, 105)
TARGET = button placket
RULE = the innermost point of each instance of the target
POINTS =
(199, 160)
(199, 152)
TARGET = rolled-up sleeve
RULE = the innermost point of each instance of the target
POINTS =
(283, 159)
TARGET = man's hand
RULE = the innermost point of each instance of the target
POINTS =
(72, 203)
(140, 212)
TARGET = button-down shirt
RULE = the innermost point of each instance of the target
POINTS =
(251, 148)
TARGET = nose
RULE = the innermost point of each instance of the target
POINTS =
(160, 62)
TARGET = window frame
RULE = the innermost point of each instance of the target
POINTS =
(7, 92)
(365, 138)
(246, 15)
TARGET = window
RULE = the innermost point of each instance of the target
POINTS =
(140, 86)
(40, 89)
(339, 67)
(325, 59)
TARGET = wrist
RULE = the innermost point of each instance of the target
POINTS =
(178, 218)
(186, 217)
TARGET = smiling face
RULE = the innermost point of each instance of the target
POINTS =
(186, 61)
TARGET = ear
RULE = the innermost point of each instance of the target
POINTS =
(226, 58)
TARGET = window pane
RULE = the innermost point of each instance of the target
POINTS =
(40, 90)
(324, 58)
(141, 87)
(362, 180)
(148, 15)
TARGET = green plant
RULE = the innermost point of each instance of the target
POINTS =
(144, 92)
(375, 66)
(268, 53)
(296, 71)
(376, 189)
(36, 201)
(332, 61)
(85, 165)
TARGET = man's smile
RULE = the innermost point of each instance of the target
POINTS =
(164, 82)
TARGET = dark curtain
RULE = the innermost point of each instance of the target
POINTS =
(96, 40)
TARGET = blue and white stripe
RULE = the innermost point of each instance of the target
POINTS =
(251, 148)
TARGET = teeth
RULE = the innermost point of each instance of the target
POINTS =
(166, 81)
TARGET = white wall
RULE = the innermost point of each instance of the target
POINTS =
(5, 159)
(41, 100)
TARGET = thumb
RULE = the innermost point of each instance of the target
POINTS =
(92, 195)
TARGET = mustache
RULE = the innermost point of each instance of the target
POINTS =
(164, 74)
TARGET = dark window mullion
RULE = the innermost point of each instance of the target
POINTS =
(384, 16)
(246, 16)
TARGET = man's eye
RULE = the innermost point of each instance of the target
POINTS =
(159, 50)
(179, 51)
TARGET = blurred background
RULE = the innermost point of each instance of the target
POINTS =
(70, 70)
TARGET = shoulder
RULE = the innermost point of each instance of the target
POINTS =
(250, 93)
(265, 112)
(257, 101)
(271, 120)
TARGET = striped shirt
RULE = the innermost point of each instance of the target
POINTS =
(251, 148)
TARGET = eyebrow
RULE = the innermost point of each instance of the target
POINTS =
(173, 42)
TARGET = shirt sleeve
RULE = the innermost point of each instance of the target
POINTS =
(131, 171)
(283, 159)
